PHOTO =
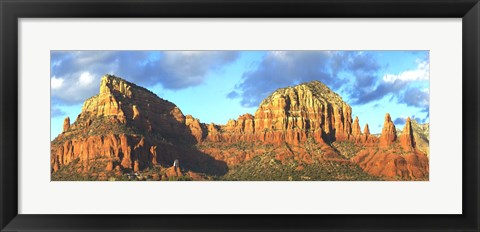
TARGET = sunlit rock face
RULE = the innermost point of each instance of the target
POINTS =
(127, 128)
(292, 115)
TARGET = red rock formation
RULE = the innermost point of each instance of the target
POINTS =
(293, 114)
(392, 165)
(109, 166)
(356, 131)
(367, 138)
(389, 133)
(66, 124)
(366, 130)
(406, 138)
(195, 127)
(136, 166)
(241, 129)
(111, 146)
(115, 125)
(246, 124)
(174, 171)
(128, 128)
(213, 133)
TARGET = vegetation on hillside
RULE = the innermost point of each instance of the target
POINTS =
(266, 167)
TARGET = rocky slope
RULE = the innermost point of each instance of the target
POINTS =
(127, 128)
(394, 158)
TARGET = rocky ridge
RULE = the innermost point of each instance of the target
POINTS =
(128, 128)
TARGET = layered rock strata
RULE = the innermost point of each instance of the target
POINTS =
(129, 128)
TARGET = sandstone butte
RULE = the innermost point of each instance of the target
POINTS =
(128, 128)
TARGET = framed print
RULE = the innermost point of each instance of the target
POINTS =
(227, 115)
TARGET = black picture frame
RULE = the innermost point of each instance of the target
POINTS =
(12, 10)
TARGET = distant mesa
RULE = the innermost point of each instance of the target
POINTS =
(127, 128)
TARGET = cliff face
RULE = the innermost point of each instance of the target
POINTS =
(128, 128)
(196, 128)
(141, 110)
(309, 110)
(291, 115)
(242, 129)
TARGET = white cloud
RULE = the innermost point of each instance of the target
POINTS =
(75, 87)
(280, 55)
(56, 83)
(86, 79)
(81, 70)
(421, 73)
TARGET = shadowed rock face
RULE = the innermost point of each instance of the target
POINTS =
(406, 138)
(129, 128)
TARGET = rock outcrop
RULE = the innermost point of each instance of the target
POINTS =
(173, 171)
(127, 128)
(356, 131)
(389, 134)
(366, 137)
(366, 130)
(66, 124)
(131, 127)
(392, 165)
(242, 129)
(195, 127)
(396, 159)
(291, 115)
(406, 138)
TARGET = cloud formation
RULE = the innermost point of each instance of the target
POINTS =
(358, 76)
(355, 74)
(400, 121)
(75, 75)
(56, 112)
(279, 69)
(421, 73)
(416, 97)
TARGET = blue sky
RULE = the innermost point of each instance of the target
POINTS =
(216, 86)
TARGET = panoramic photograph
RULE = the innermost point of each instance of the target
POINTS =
(239, 115)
